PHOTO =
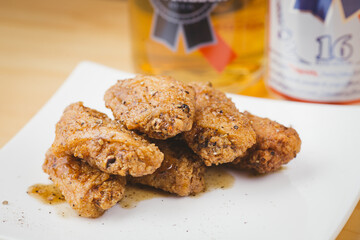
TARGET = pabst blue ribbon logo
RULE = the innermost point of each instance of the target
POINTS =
(192, 19)
(320, 8)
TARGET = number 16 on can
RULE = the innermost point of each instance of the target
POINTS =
(314, 50)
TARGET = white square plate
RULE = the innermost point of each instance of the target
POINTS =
(311, 198)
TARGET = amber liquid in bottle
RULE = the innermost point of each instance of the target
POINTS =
(240, 24)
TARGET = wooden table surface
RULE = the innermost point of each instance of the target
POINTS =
(41, 41)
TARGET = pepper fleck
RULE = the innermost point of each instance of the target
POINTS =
(185, 108)
(110, 161)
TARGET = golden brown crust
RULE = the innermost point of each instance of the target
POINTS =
(103, 143)
(89, 191)
(181, 172)
(275, 145)
(220, 132)
(158, 106)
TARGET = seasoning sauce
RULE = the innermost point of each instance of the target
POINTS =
(47, 193)
(218, 178)
(215, 178)
(137, 193)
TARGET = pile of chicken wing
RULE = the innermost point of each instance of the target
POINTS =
(164, 135)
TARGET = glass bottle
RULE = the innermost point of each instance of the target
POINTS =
(221, 42)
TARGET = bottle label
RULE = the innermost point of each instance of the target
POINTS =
(191, 19)
(171, 18)
(314, 50)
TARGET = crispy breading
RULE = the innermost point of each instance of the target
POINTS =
(88, 190)
(158, 106)
(181, 172)
(220, 132)
(104, 143)
(275, 145)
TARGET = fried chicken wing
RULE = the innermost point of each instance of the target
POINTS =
(158, 106)
(275, 145)
(88, 190)
(220, 132)
(103, 143)
(181, 172)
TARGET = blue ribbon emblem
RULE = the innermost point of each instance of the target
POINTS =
(320, 8)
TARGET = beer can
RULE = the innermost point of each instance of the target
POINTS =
(314, 50)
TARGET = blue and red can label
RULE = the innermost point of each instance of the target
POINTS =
(314, 50)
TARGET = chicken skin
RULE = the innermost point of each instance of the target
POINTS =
(89, 191)
(220, 132)
(92, 136)
(158, 106)
(181, 172)
(275, 145)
